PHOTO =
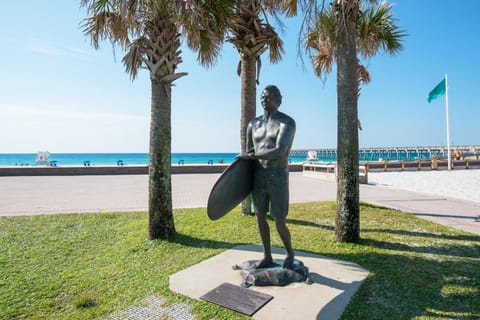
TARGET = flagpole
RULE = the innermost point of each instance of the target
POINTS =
(448, 124)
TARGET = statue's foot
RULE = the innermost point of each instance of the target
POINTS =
(264, 263)
(288, 263)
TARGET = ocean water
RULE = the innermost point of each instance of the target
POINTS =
(112, 159)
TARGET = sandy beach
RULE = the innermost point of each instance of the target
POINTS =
(456, 184)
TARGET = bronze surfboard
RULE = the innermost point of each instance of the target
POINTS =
(233, 186)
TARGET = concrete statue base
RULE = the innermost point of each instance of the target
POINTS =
(272, 275)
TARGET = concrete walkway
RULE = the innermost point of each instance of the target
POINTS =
(334, 282)
(65, 194)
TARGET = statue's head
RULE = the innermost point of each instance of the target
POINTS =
(271, 97)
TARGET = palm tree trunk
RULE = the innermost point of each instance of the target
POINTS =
(161, 224)
(347, 220)
(248, 107)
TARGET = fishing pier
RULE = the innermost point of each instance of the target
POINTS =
(392, 153)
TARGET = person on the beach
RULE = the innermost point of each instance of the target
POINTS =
(269, 140)
(457, 154)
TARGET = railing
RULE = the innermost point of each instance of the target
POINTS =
(328, 171)
(432, 164)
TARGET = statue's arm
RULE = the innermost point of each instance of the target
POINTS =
(249, 144)
(249, 140)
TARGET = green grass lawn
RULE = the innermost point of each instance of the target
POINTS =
(84, 266)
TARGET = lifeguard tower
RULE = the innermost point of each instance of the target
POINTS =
(312, 155)
(43, 158)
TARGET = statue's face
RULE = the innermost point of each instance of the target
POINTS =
(269, 100)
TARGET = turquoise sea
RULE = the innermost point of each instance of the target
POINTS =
(112, 159)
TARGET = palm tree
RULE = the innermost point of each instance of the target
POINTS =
(150, 31)
(338, 33)
(375, 29)
(252, 35)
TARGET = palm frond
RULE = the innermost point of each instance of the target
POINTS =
(149, 30)
(363, 74)
(320, 40)
(109, 20)
(204, 26)
(322, 64)
(275, 47)
(251, 33)
(290, 8)
(134, 58)
(209, 48)
(377, 30)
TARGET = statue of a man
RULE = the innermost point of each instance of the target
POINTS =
(269, 140)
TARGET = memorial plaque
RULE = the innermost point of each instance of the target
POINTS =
(236, 298)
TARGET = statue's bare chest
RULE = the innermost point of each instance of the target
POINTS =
(265, 132)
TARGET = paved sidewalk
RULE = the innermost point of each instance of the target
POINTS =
(65, 194)
(459, 214)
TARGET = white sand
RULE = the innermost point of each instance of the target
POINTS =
(457, 184)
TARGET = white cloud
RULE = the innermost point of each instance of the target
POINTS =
(54, 50)
(28, 129)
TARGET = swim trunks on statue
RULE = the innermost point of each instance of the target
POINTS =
(270, 185)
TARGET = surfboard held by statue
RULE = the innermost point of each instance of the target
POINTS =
(233, 186)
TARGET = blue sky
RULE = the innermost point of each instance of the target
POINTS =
(61, 95)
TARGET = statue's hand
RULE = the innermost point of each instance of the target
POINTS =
(247, 156)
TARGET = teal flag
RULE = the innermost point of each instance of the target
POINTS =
(437, 92)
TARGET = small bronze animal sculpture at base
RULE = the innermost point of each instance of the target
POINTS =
(272, 275)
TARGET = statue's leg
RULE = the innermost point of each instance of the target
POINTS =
(264, 230)
(284, 234)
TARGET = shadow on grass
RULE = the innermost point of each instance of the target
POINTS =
(194, 242)
(461, 237)
(455, 216)
(309, 224)
(409, 285)
(448, 250)
(368, 205)
(406, 287)
(417, 278)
